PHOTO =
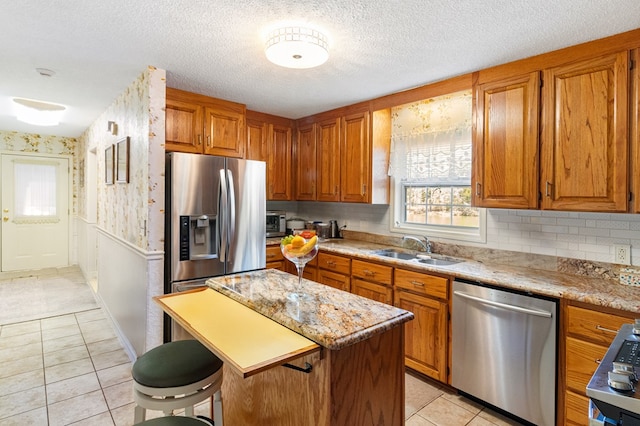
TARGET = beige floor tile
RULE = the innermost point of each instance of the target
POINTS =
(479, 421)
(418, 393)
(21, 402)
(102, 346)
(19, 352)
(59, 332)
(20, 340)
(114, 375)
(94, 325)
(21, 382)
(497, 419)
(123, 416)
(463, 402)
(62, 343)
(18, 366)
(58, 372)
(20, 328)
(119, 395)
(78, 408)
(98, 334)
(443, 412)
(102, 419)
(416, 420)
(110, 359)
(89, 316)
(33, 417)
(72, 387)
(65, 355)
(59, 321)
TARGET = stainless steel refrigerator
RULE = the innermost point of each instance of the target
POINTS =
(214, 220)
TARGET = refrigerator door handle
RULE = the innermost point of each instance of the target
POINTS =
(231, 209)
(223, 198)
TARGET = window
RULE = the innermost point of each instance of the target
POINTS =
(431, 169)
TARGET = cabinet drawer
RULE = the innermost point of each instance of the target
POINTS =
(332, 279)
(421, 283)
(274, 254)
(278, 264)
(372, 271)
(576, 409)
(598, 327)
(334, 263)
(581, 362)
(373, 291)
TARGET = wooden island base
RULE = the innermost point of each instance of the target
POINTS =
(362, 384)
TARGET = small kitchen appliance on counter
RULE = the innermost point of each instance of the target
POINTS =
(615, 399)
(276, 223)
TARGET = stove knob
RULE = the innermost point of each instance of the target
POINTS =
(636, 327)
(625, 368)
(620, 381)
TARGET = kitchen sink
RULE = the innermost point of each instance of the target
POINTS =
(430, 260)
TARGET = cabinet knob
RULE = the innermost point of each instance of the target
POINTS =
(369, 273)
(418, 283)
(547, 191)
(478, 188)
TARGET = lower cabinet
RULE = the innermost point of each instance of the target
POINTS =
(372, 280)
(275, 259)
(590, 331)
(426, 336)
(334, 271)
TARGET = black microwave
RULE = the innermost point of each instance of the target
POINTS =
(276, 223)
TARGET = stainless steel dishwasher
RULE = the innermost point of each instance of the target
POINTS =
(504, 350)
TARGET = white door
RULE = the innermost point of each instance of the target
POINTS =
(35, 212)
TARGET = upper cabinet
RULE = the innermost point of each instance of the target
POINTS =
(585, 135)
(343, 156)
(505, 148)
(576, 156)
(270, 139)
(201, 124)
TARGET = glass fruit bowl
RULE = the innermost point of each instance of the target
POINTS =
(299, 251)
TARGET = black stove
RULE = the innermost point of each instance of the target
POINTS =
(613, 388)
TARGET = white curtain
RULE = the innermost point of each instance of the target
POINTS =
(35, 189)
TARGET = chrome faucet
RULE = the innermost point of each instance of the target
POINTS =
(426, 244)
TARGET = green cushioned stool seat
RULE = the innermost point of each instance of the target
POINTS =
(174, 376)
(175, 364)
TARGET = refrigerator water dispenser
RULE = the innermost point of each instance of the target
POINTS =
(198, 237)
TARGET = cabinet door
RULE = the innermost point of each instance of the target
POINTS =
(585, 135)
(576, 409)
(279, 163)
(224, 132)
(306, 163)
(183, 126)
(373, 291)
(328, 162)
(426, 335)
(505, 146)
(333, 279)
(355, 167)
(582, 359)
(257, 148)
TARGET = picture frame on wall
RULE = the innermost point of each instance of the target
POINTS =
(108, 165)
(122, 160)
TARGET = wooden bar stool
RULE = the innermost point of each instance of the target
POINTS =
(177, 375)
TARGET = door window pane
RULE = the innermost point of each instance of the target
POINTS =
(35, 189)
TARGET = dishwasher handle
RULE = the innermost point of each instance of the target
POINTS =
(528, 311)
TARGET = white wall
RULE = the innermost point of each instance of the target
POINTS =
(588, 236)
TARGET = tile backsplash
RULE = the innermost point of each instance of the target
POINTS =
(572, 235)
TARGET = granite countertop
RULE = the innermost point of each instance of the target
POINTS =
(332, 318)
(562, 285)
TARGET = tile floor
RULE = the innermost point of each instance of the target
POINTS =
(71, 369)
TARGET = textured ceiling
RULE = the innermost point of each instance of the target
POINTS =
(215, 47)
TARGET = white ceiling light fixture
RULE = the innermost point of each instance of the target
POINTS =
(38, 112)
(297, 47)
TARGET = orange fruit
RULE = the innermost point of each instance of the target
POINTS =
(297, 242)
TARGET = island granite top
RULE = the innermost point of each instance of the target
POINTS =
(332, 318)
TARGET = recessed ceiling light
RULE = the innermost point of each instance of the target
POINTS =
(38, 112)
(297, 47)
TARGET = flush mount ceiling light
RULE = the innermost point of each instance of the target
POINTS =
(38, 112)
(297, 47)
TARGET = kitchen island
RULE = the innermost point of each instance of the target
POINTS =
(350, 348)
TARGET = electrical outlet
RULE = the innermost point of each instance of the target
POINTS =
(622, 254)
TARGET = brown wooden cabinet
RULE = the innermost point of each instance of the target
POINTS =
(334, 270)
(585, 137)
(355, 167)
(589, 332)
(269, 139)
(275, 259)
(305, 163)
(426, 337)
(201, 124)
(372, 280)
(328, 160)
(505, 149)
